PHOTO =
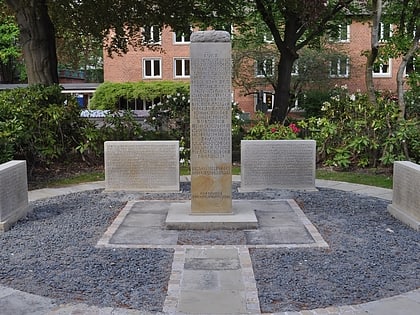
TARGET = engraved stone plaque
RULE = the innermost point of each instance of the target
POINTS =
(13, 193)
(278, 164)
(211, 140)
(142, 165)
(406, 193)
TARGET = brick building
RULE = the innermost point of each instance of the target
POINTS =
(171, 62)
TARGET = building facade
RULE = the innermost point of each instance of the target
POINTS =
(169, 60)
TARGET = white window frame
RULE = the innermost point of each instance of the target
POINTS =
(152, 68)
(381, 73)
(382, 34)
(295, 68)
(264, 62)
(184, 67)
(151, 33)
(338, 73)
(183, 39)
(339, 38)
(413, 60)
(266, 95)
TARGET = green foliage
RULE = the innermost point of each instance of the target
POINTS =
(311, 102)
(355, 133)
(38, 124)
(107, 95)
(263, 130)
(117, 126)
(170, 119)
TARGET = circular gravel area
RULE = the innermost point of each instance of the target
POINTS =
(52, 253)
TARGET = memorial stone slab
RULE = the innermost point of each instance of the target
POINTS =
(210, 120)
(406, 193)
(278, 164)
(147, 166)
(14, 202)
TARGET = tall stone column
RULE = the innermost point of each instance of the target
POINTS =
(211, 123)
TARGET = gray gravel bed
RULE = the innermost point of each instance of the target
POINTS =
(52, 253)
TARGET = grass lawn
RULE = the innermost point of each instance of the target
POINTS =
(357, 177)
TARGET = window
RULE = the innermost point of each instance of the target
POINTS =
(136, 104)
(342, 35)
(382, 70)
(181, 67)
(411, 66)
(152, 68)
(268, 38)
(265, 68)
(182, 37)
(295, 68)
(264, 101)
(384, 32)
(152, 35)
(339, 68)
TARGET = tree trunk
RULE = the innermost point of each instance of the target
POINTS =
(37, 38)
(282, 91)
(400, 75)
(374, 37)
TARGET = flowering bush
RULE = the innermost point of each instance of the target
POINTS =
(170, 119)
(354, 132)
(262, 130)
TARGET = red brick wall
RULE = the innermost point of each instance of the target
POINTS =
(128, 68)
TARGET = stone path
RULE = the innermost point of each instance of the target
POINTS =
(219, 279)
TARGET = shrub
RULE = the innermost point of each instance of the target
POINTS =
(38, 124)
(354, 132)
(108, 95)
(262, 130)
(170, 119)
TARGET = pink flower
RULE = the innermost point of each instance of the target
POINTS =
(273, 130)
(294, 128)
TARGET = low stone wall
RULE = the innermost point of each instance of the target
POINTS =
(149, 166)
(14, 202)
(406, 193)
(278, 164)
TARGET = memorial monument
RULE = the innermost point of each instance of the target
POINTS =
(211, 205)
(210, 116)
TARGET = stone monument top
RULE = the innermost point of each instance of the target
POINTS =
(210, 36)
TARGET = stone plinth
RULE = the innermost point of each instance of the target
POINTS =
(406, 193)
(278, 164)
(13, 193)
(211, 140)
(148, 166)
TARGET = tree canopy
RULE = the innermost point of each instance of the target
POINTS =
(119, 21)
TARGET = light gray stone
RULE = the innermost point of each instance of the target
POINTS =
(405, 194)
(148, 166)
(278, 164)
(210, 119)
(13, 193)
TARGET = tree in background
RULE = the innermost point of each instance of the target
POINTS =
(119, 21)
(9, 50)
(404, 44)
(292, 25)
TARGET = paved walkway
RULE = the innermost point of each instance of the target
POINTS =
(217, 279)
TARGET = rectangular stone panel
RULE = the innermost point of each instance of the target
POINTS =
(406, 193)
(13, 193)
(210, 119)
(278, 164)
(142, 165)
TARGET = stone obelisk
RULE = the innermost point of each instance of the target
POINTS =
(211, 124)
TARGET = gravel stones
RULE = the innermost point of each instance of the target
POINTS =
(52, 253)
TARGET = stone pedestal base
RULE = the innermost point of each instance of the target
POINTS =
(243, 217)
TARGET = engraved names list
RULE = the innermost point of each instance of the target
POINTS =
(211, 140)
